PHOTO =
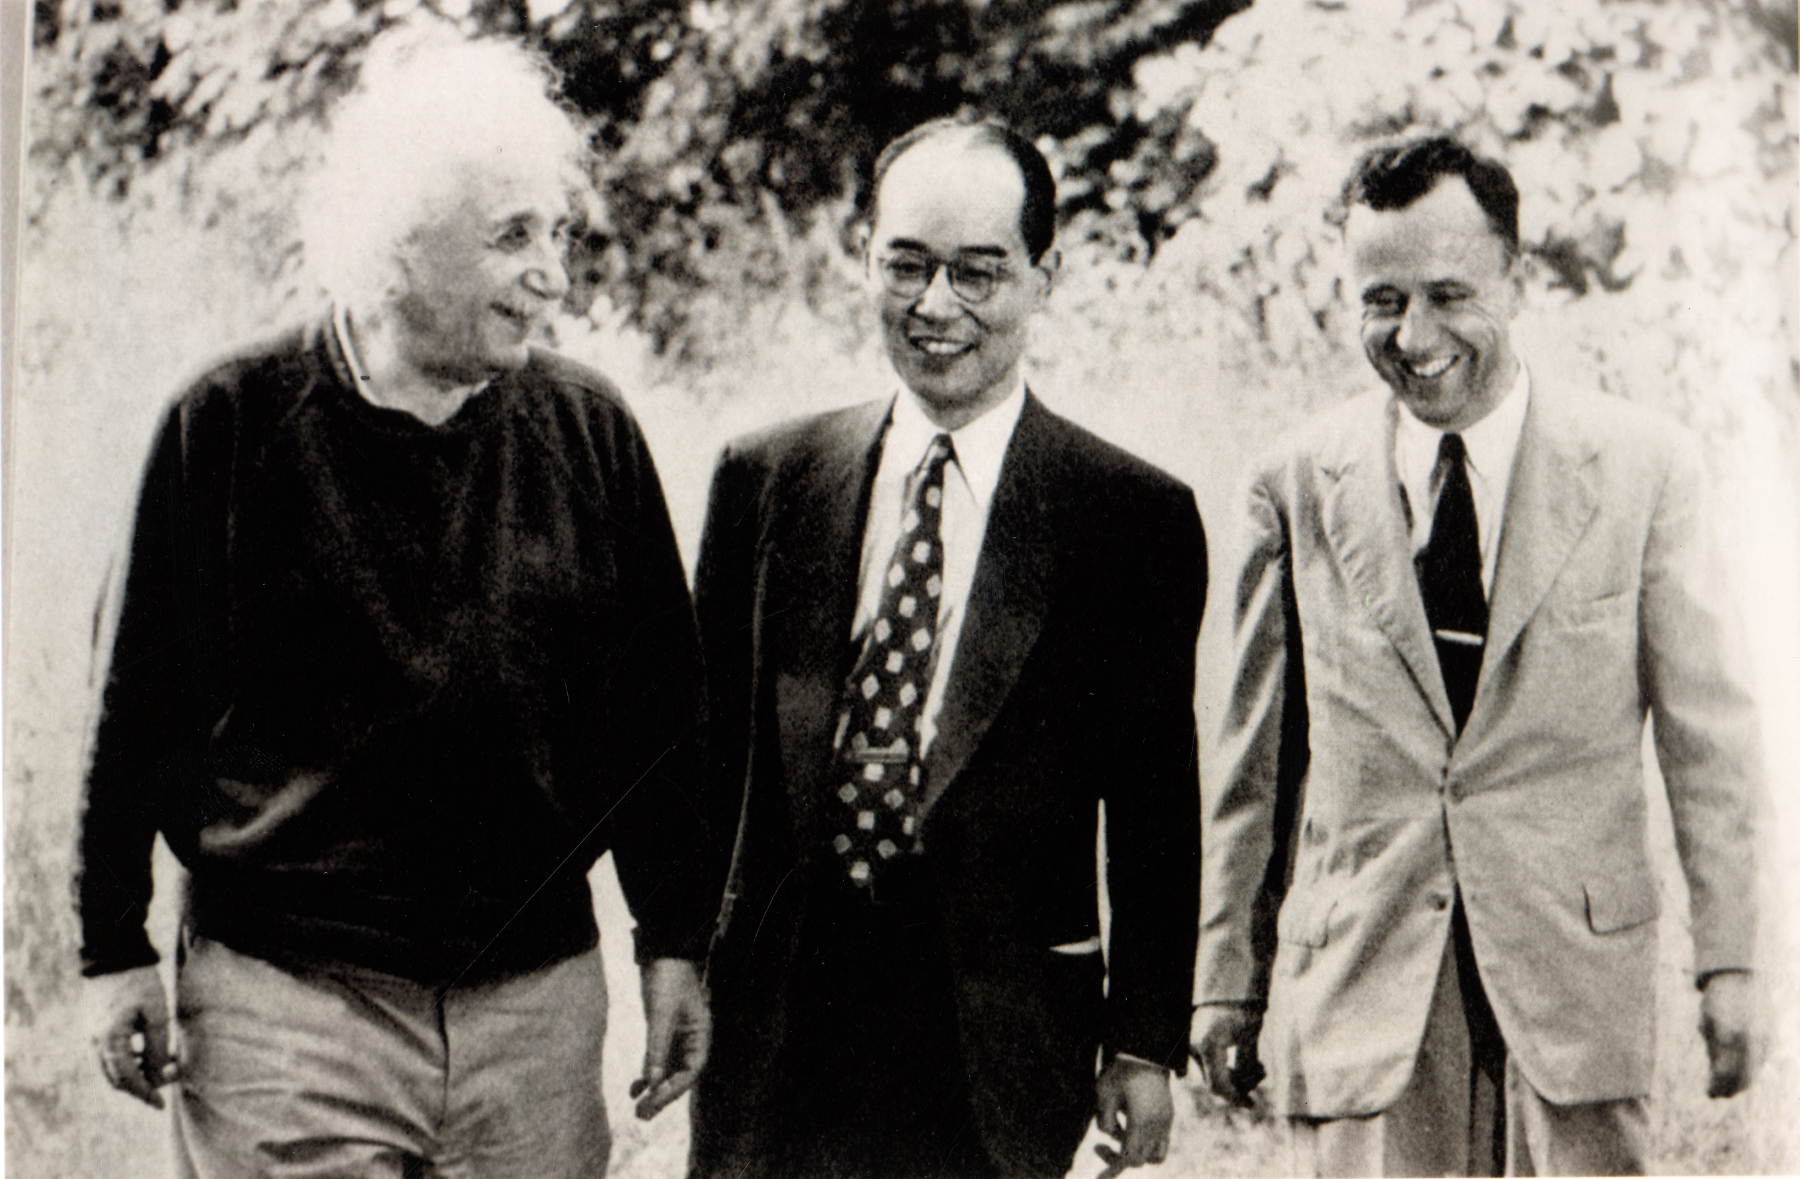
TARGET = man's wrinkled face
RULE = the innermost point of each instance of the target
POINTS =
(480, 274)
(1438, 293)
(947, 217)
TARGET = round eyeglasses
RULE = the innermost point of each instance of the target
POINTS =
(908, 275)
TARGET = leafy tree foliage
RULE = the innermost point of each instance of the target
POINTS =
(1653, 142)
(715, 119)
(1654, 138)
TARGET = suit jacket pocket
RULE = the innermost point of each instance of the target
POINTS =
(1620, 902)
(1304, 919)
(1072, 999)
(1593, 609)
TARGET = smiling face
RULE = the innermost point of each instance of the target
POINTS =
(479, 275)
(1438, 293)
(948, 201)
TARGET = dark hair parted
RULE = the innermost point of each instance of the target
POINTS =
(1037, 214)
(1394, 177)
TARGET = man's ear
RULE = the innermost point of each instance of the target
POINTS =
(1050, 266)
(1515, 282)
(395, 279)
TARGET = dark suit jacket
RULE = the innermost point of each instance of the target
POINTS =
(1073, 682)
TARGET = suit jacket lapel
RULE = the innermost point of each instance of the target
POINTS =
(1006, 600)
(814, 556)
(1549, 502)
(1368, 532)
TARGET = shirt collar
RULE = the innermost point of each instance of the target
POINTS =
(359, 373)
(1490, 442)
(340, 327)
(980, 444)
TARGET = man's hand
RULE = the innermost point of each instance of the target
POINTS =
(128, 1019)
(1141, 1092)
(677, 1033)
(1725, 1024)
(1223, 1039)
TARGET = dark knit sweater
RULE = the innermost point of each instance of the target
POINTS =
(388, 690)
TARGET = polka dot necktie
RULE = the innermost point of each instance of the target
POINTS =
(884, 698)
(1449, 569)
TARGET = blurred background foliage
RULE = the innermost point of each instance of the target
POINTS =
(1199, 146)
(734, 137)
(722, 127)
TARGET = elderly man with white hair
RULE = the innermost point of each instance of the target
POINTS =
(404, 648)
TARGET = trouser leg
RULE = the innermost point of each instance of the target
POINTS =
(1488, 1058)
(1597, 1138)
(878, 1089)
(289, 1076)
(352, 1074)
(523, 1087)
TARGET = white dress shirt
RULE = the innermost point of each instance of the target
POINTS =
(1490, 444)
(969, 484)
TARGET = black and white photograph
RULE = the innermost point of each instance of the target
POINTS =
(937, 589)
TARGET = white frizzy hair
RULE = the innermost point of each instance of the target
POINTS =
(429, 107)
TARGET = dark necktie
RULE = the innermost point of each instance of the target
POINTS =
(878, 728)
(1449, 570)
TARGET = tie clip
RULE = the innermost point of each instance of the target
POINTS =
(1460, 636)
(862, 752)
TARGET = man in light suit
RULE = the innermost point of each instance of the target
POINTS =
(942, 628)
(1425, 868)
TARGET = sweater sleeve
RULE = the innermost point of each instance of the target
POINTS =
(667, 860)
(151, 735)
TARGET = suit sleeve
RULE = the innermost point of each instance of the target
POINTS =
(1153, 802)
(654, 740)
(1693, 665)
(1253, 780)
(725, 600)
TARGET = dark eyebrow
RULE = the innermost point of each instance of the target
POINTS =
(1378, 290)
(901, 243)
(1449, 286)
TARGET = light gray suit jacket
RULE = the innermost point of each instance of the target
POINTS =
(1341, 798)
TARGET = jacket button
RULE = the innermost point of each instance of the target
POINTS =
(1440, 902)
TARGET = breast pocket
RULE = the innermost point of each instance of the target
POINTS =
(1583, 611)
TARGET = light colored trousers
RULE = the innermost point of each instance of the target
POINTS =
(345, 1073)
(1453, 1119)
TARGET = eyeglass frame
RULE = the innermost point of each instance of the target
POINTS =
(950, 266)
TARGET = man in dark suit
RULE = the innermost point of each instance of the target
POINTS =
(942, 628)
(1426, 874)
